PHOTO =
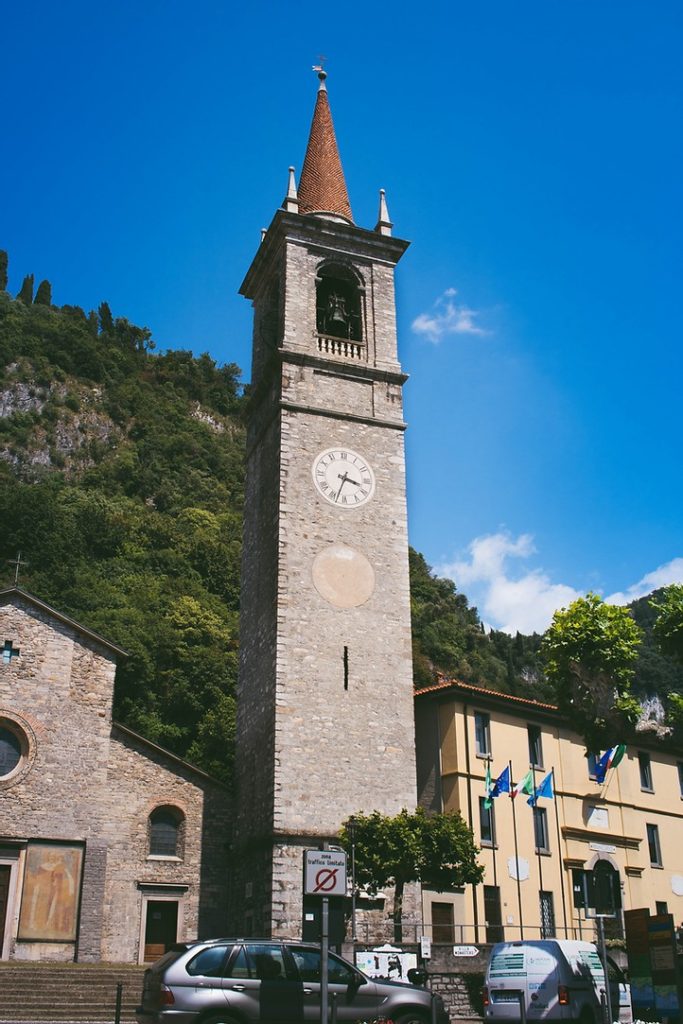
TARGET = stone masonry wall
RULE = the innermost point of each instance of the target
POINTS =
(62, 685)
(140, 780)
(78, 785)
(336, 744)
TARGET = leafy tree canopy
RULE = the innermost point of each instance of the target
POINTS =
(590, 651)
(668, 627)
(437, 850)
(449, 638)
(121, 481)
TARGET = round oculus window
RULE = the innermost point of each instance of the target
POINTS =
(10, 751)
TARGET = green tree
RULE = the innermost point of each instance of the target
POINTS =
(4, 260)
(25, 294)
(447, 635)
(437, 850)
(590, 650)
(668, 626)
(44, 294)
(106, 319)
(668, 632)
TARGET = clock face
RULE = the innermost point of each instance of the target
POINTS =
(344, 478)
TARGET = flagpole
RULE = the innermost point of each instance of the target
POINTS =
(492, 819)
(559, 853)
(514, 832)
(534, 809)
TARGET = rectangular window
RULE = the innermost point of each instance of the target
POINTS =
(547, 909)
(680, 777)
(443, 923)
(645, 771)
(661, 907)
(535, 747)
(541, 829)
(592, 761)
(492, 914)
(482, 733)
(653, 846)
(487, 827)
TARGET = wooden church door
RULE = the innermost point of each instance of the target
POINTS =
(5, 872)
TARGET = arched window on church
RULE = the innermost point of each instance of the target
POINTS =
(338, 303)
(166, 832)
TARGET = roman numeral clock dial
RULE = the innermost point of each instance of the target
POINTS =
(343, 477)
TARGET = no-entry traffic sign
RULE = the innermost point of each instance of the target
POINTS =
(325, 873)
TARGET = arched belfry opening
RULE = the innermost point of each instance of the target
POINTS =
(338, 303)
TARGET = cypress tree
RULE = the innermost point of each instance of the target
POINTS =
(4, 260)
(26, 291)
(106, 319)
(44, 294)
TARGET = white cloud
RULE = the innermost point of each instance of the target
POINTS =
(525, 604)
(670, 572)
(447, 317)
(525, 601)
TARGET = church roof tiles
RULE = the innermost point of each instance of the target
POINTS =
(322, 188)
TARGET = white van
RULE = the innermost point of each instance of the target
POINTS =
(557, 979)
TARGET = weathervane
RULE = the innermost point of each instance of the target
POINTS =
(320, 68)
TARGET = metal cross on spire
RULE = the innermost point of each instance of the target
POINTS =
(17, 563)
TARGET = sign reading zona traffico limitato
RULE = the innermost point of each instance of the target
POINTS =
(324, 873)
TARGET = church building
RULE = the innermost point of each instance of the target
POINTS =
(110, 847)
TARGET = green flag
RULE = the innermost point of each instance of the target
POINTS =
(487, 786)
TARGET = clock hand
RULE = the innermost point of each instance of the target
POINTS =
(345, 479)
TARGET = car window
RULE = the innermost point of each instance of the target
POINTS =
(308, 965)
(239, 968)
(265, 961)
(208, 963)
(339, 972)
(167, 959)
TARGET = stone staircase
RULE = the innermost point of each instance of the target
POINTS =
(84, 993)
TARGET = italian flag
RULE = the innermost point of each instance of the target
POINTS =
(610, 759)
(525, 785)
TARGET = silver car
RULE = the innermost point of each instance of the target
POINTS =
(245, 981)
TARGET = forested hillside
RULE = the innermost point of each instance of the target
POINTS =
(121, 483)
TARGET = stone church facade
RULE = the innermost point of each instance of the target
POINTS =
(110, 847)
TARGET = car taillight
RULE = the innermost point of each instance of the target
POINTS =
(563, 995)
(166, 997)
(485, 995)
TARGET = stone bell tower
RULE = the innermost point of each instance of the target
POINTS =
(325, 700)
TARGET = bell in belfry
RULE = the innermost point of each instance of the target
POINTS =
(336, 316)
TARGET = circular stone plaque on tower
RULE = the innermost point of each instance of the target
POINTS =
(343, 576)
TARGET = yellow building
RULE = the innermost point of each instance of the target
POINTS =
(633, 822)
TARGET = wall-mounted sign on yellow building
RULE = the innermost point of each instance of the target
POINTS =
(633, 820)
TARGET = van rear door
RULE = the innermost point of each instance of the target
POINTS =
(542, 975)
(506, 981)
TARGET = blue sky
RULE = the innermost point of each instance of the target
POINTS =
(532, 154)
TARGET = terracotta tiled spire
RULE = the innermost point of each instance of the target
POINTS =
(322, 188)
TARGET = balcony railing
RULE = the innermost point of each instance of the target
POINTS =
(341, 348)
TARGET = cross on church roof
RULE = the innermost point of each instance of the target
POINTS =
(17, 563)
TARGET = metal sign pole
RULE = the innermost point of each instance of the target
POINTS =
(603, 957)
(324, 945)
(324, 876)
